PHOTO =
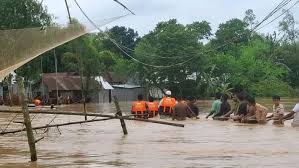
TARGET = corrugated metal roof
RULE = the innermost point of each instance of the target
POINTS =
(126, 86)
(104, 83)
(65, 81)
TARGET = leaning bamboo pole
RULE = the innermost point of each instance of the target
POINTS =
(27, 121)
(119, 113)
(55, 125)
(94, 115)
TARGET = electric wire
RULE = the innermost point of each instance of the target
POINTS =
(125, 7)
(121, 49)
(275, 10)
(279, 15)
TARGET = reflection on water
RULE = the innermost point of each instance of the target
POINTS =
(202, 143)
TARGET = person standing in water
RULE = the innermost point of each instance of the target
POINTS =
(215, 106)
(234, 108)
(167, 104)
(140, 108)
(224, 108)
(256, 112)
(242, 109)
(152, 107)
(278, 111)
(293, 115)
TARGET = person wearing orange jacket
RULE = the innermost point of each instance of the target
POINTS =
(152, 107)
(167, 104)
(140, 108)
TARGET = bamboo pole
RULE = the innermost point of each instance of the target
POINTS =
(119, 113)
(95, 115)
(55, 125)
(27, 121)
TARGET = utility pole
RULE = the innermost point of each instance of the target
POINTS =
(80, 64)
(42, 72)
(56, 75)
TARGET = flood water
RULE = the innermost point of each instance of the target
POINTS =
(202, 143)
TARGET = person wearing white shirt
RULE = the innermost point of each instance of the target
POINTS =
(293, 115)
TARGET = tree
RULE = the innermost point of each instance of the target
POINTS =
(251, 71)
(126, 37)
(249, 18)
(16, 14)
(287, 27)
(168, 44)
(83, 58)
(230, 35)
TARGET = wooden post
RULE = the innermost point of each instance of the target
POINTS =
(24, 101)
(119, 113)
(110, 96)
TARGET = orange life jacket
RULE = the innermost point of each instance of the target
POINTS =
(168, 103)
(138, 107)
(153, 108)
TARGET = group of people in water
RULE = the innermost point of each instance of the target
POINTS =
(167, 107)
(243, 109)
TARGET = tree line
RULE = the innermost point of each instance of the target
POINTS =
(190, 60)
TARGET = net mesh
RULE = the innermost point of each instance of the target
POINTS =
(19, 46)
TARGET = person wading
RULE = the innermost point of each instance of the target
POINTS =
(215, 106)
(234, 109)
(152, 107)
(140, 108)
(293, 115)
(166, 105)
(224, 108)
(278, 111)
(256, 112)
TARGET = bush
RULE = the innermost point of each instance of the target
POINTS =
(272, 87)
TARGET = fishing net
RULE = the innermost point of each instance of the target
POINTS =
(19, 46)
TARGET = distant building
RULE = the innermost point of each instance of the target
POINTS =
(101, 89)
(66, 85)
(119, 87)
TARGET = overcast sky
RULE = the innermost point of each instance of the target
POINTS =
(150, 12)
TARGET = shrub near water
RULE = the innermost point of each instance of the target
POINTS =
(270, 87)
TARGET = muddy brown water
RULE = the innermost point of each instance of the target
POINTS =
(202, 143)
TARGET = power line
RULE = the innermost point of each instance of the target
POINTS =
(275, 10)
(118, 46)
(279, 15)
(121, 4)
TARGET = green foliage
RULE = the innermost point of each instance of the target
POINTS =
(171, 43)
(126, 37)
(108, 60)
(251, 68)
(123, 67)
(82, 57)
(16, 14)
(270, 87)
(234, 58)
(234, 31)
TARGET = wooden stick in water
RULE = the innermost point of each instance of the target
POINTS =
(55, 125)
(27, 122)
(95, 115)
(119, 113)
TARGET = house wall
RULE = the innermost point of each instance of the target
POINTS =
(122, 94)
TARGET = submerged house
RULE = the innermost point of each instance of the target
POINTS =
(101, 89)
(113, 85)
(64, 86)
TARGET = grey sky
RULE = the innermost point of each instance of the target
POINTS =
(150, 12)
